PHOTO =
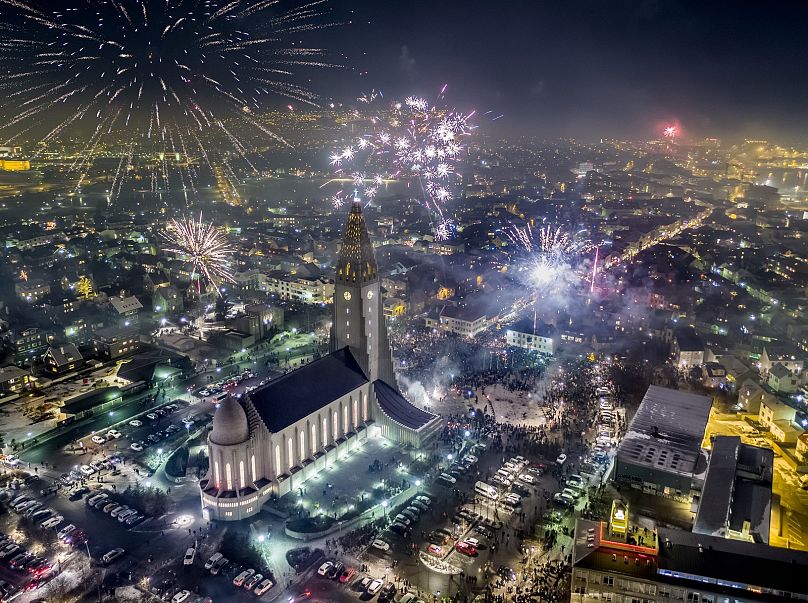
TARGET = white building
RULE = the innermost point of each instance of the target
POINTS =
(293, 427)
(529, 336)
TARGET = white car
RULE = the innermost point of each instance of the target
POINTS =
(375, 586)
(212, 561)
(263, 587)
(113, 434)
(380, 544)
(473, 542)
(181, 596)
(86, 470)
(97, 439)
(135, 423)
(151, 416)
(447, 478)
(52, 522)
(323, 569)
(136, 446)
(189, 556)
(112, 556)
(562, 458)
(239, 580)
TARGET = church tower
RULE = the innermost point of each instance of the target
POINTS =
(358, 320)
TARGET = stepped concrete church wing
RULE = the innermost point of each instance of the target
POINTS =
(288, 430)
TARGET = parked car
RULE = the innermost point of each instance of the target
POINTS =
(65, 531)
(323, 569)
(466, 549)
(347, 575)
(380, 544)
(212, 560)
(375, 587)
(239, 580)
(189, 556)
(217, 567)
(112, 556)
(52, 522)
(97, 439)
(248, 584)
(181, 596)
(136, 446)
(135, 423)
(263, 587)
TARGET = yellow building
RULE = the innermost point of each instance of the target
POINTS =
(15, 165)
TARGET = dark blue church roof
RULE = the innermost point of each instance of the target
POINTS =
(286, 400)
(399, 408)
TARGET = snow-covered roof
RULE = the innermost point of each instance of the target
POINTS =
(666, 433)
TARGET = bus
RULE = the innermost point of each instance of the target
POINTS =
(486, 490)
(218, 397)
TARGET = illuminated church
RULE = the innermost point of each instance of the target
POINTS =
(288, 430)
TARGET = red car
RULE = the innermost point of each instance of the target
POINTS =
(434, 549)
(347, 575)
(466, 549)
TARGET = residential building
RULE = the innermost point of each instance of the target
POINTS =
(115, 342)
(772, 409)
(14, 380)
(688, 349)
(300, 289)
(32, 291)
(782, 380)
(167, 300)
(63, 359)
(465, 321)
(528, 335)
(126, 310)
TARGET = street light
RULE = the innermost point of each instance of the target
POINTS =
(385, 503)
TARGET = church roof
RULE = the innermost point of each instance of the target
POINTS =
(296, 395)
(398, 408)
(357, 262)
(229, 424)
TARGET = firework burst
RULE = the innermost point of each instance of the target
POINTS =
(547, 255)
(409, 139)
(204, 247)
(153, 77)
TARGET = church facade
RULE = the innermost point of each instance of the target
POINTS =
(291, 428)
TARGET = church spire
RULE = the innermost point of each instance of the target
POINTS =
(357, 262)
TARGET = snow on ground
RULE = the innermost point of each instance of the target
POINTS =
(518, 408)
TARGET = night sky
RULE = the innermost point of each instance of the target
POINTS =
(591, 68)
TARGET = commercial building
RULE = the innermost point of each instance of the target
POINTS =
(676, 565)
(736, 497)
(661, 452)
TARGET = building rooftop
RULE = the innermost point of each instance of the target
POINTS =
(667, 430)
(737, 489)
(398, 408)
(286, 400)
(755, 572)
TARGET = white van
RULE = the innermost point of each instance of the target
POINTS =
(212, 561)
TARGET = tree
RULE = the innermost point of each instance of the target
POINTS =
(85, 288)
